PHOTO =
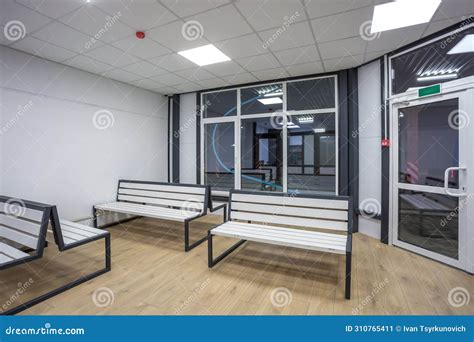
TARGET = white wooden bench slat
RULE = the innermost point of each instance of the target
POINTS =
(289, 201)
(19, 237)
(27, 213)
(163, 187)
(20, 224)
(292, 221)
(83, 227)
(12, 252)
(4, 259)
(164, 195)
(148, 211)
(76, 232)
(288, 210)
(158, 201)
(83, 233)
(262, 235)
(73, 235)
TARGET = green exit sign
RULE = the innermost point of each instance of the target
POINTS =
(431, 90)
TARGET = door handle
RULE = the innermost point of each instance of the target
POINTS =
(446, 181)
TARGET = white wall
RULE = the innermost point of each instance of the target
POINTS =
(370, 136)
(187, 139)
(51, 148)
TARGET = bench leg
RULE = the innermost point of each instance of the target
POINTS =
(211, 262)
(59, 290)
(348, 274)
(187, 246)
(94, 217)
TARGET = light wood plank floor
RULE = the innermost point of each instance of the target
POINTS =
(151, 275)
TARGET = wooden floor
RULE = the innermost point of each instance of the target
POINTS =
(151, 275)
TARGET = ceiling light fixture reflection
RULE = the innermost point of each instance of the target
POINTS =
(270, 101)
(464, 46)
(436, 77)
(274, 94)
(319, 130)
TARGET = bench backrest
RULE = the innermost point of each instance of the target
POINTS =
(24, 223)
(312, 211)
(190, 197)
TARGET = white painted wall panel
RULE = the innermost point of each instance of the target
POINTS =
(187, 139)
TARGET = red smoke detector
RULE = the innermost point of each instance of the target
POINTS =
(140, 34)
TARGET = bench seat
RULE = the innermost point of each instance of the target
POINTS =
(283, 236)
(149, 211)
(75, 233)
(9, 253)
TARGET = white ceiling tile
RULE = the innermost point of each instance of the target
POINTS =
(343, 47)
(195, 74)
(140, 15)
(187, 87)
(295, 35)
(111, 55)
(172, 62)
(95, 23)
(260, 62)
(52, 8)
(121, 75)
(270, 74)
(42, 49)
(146, 84)
(212, 83)
(373, 55)
(88, 64)
(31, 20)
(240, 78)
(225, 68)
(305, 69)
(222, 23)
(169, 79)
(454, 8)
(264, 14)
(249, 45)
(339, 26)
(392, 40)
(144, 69)
(322, 8)
(171, 36)
(166, 90)
(298, 55)
(185, 8)
(142, 48)
(336, 64)
(66, 37)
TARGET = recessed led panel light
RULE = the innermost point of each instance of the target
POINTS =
(465, 45)
(402, 13)
(436, 77)
(270, 100)
(205, 55)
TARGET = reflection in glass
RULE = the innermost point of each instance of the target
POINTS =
(312, 153)
(262, 154)
(219, 104)
(317, 93)
(428, 143)
(261, 100)
(429, 221)
(219, 156)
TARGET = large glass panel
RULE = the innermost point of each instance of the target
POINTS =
(312, 153)
(444, 60)
(429, 221)
(264, 99)
(428, 143)
(219, 155)
(219, 104)
(317, 93)
(262, 154)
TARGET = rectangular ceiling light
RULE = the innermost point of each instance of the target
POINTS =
(402, 13)
(437, 77)
(465, 45)
(205, 55)
(270, 100)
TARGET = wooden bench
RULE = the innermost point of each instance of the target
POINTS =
(24, 224)
(166, 201)
(331, 213)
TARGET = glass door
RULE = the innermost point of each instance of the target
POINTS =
(430, 194)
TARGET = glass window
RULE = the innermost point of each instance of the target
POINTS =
(262, 154)
(317, 93)
(261, 100)
(441, 61)
(219, 155)
(219, 104)
(312, 153)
